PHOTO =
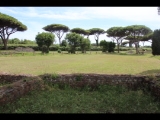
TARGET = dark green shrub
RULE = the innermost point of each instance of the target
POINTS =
(111, 46)
(156, 42)
(45, 49)
(105, 45)
(59, 51)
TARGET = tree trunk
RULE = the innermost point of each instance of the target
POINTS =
(83, 51)
(121, 44)
(118, 47)
(143, 44)
(136, 46)
(73, 50)
(59, 41)
(130, 44)
(5, 44)
(97, 43)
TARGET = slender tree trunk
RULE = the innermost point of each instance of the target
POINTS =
(121, 43)
(74, 49)
(112, 40)
(83, 51)
(97, 43)
(87, 36)
(143, 44)
(59, 41)
(136, 46)
(118, 44)
(5, 44)
(118, 47)
(130, 44)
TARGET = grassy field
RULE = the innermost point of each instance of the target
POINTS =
(105, 99)
(79, 63)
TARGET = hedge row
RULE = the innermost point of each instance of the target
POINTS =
(56, 48)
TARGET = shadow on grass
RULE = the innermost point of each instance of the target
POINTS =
(155, 56)
(150, 72)
(126, 54)
(152, 56)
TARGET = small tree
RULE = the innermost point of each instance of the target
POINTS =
(118, 34)
(85, 44)
(156, 42)
(57, 29)
(136, 32)
(96, 32)
(74, 40)
(46, 39)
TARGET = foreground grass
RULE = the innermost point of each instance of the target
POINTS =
(80, 63)
(106, 99)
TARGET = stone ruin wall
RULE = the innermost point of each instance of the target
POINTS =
(20, 85)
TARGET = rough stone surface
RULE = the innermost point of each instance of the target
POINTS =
(19, 88)
(131, 81)
(20, 85)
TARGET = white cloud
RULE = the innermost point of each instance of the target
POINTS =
(136, 14)
(125, 13)
(48, 14)
(37, 17)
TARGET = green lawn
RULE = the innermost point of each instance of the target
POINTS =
(79, 63)
(105, 99)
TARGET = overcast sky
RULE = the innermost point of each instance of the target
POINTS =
(35, 18)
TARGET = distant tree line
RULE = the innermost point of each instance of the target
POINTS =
(76, 36)
(134, 34)
(18, 41)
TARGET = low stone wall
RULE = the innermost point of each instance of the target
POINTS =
(11, 92)
(20, 85)
(134, 82)
(80, 80)
(10, 78)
